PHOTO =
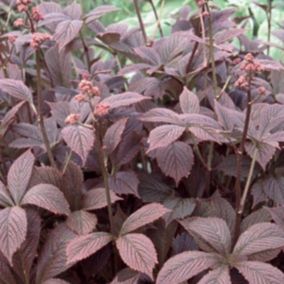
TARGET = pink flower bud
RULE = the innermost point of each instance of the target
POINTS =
(72, 118)
(101, 110)
(19, 23)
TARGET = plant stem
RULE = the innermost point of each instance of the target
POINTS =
(240, 209)
(86, 51)
(209, 168)
(269, 22)
(40, 113)
(157, 18)
(240, 151)
(142, 27)
(211, 50)
(105, 174)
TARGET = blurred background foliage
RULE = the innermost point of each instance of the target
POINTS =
(251, 14)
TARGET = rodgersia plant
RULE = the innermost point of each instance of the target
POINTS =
(135, 158)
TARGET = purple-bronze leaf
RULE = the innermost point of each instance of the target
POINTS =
(256, 272)
(96, 199)
(19, 175)
(175, 160)
(83, 246)
(189, 102)
(5, 199)
(82, 222)
(164, 135)
(99, 12)
(203, 228)
(48, 197)
(13, 230)
(125, 182)
(66, 31)
(143, 216)
(186, 265)
(123, 99)
(24, 258)
(138, 252)
(52, 258)
(180, 208)
(220, 275)
(80, 139)
(258, 238)
(161, 115)
(113, 135)
(55, 281)
(16, 89)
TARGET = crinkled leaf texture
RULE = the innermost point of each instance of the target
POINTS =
(257, 272)
(48, 197)
(138, 252)
(13, 230)
(66, 31)
(143, 216)
(258, 238)
(82, 222)
(52, 259)
(80, 139)
(16, 89)
(213, 231)
(175, 160)
(189, 102)
(123, 99)
(19, 175)
(124, 182)
(164, 135)
(83, 246)
(184, 266)
(96, 199)
(219, 275)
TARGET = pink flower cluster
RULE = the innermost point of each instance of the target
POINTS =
(86, 87)
(72, 118)
(19, 23)
(36, 14)
(38, 39)
(23, 5)
(101, 110)
(249, 64)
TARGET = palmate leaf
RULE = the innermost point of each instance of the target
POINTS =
(80, 139)
(185, 265)
(83, 246)
(138, 252)
(19, 175)
(259, 272)
(202, 228)
(13, 230)
(164, 135)
(175, 160)
(258, 238)
(48, 197)
(66, 31)
(143, 216)
(219, 275)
